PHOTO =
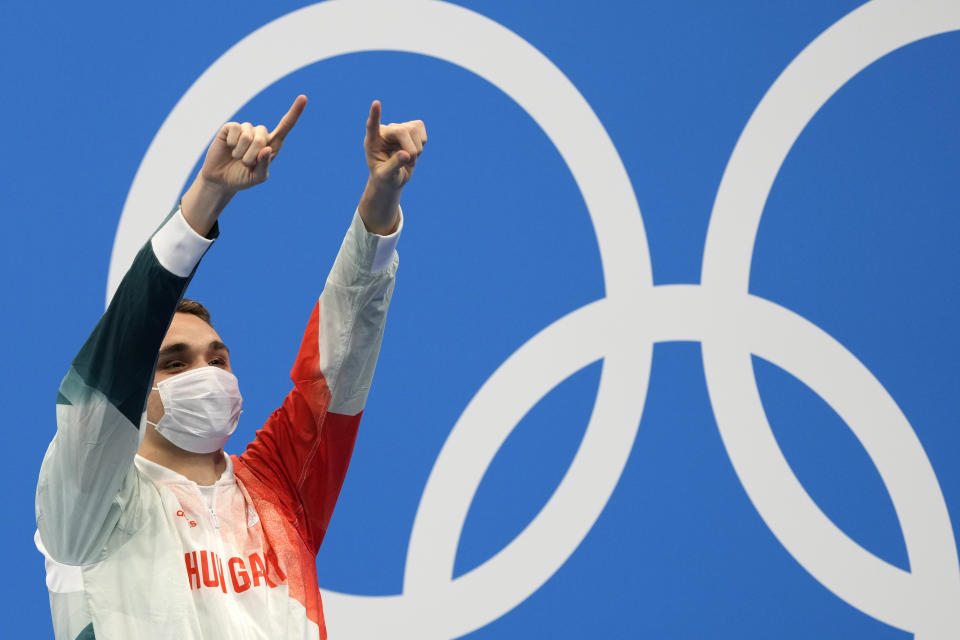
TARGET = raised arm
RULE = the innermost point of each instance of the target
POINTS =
(86, 486)
(301, 454)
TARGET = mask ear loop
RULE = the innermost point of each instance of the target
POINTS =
(143, 428)
(144, 421)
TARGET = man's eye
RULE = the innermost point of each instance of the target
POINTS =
(173, 364)
(217, 362)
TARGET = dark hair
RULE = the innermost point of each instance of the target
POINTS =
(186, 305)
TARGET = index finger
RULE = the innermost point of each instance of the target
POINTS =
(286, 123)
(373, 121)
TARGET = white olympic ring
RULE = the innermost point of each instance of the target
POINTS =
(620, 329)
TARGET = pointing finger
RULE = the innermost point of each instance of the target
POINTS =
(286, 123)
(373, 121)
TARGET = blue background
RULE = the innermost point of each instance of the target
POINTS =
(859, 236)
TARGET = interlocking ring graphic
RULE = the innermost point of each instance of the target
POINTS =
(620, 329)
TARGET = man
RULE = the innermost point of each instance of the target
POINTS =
(148, 528)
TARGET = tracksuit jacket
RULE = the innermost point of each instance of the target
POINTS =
(134, 550)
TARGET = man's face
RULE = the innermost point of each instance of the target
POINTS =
(190, 343)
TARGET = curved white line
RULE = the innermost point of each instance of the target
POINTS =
(521, 567)
(925, 601)
(838, 54)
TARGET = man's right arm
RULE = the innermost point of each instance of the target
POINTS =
(87, 490)
(86, 486)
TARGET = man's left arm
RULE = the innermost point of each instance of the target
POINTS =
(303, 450)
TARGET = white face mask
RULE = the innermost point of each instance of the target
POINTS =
(200, 408)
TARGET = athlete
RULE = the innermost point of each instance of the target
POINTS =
(149, 530)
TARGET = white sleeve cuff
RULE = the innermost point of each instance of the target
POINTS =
(386, 245)
(370, 252)
(178, 247)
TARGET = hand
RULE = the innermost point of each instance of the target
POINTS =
(238, 158)
(392, 151)
(240, 155)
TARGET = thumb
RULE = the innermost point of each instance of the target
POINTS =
(261, 170)
(397, 161)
